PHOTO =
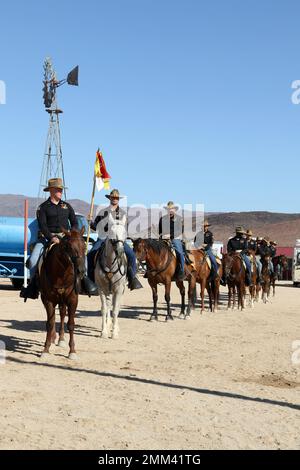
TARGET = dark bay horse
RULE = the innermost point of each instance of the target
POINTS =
(234, 273)
(161, 268)
(59, 281)
(279, 262)
(266, 278)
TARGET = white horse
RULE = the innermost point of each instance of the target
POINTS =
(110, 277)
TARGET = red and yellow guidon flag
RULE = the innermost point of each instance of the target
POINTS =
(101, 174)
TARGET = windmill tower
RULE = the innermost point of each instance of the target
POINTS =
(53, 159)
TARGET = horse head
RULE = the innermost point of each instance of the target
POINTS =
(139, 248)
(117, 236)
(73, 246)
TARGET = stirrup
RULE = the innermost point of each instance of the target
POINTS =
(135, 284)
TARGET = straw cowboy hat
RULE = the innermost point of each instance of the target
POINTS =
(206, 224)
(170, 206)
(266, 239)
(240, 229)
(114, 194)
(249, 232)
(55, 183)
(273, 242)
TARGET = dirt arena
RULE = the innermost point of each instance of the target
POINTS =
(217, 381)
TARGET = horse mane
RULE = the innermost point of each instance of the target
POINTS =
(158, 246)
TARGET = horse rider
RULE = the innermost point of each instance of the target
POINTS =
(53, 215)
(273, 249)
(266, 250)
(208, 240)
(239, 244)
(108, 216)
(252, 249)
(171, 228)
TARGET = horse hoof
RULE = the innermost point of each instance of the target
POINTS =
(181, 316)
(45, 356)
(188, 316)
(73, 356)
(62, 344)
(104, 335)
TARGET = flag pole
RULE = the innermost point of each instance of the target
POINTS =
(25, 240)
(90, 214)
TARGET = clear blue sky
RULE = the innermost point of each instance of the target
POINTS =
(189, 100)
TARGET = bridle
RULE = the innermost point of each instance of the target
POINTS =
(115, 267)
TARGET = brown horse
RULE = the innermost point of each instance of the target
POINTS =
(161, 268)
(202, 274)
(59, 281)
(234, 274)
(281, 262)
(266, 278)
(254, 288)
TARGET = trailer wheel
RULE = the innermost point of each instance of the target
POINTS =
(17, 283)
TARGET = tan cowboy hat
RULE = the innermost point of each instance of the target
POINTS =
(240, 229)
(170, 206)
(266, 239)
(249, 232)
(114, 194)
(259, 239)
(273, 242)
(55, 183)
(206, 224)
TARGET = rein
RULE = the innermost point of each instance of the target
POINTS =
(109, 272)
(159, 271)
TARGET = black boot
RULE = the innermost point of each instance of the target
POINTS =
(180, 276)
(89, 286)
(31, 291)
(133, 282)
(249, 280)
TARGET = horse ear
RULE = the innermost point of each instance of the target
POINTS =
(82, 230)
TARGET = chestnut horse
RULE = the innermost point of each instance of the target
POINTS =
(202, 274)
(59, 281)
(234, 274)
(161, 267)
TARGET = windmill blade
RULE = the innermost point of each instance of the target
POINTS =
(72, 77)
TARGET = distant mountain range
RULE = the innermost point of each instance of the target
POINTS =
(282, 227)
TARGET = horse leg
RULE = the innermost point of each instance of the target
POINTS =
(181, 288)
(71, 327)
(209, 290)
(50, 327)
(167, 299)
(115, 312)
(104, 313)
(191, 291)
(216, 288)
(229, 297)
(234, 296)
(61, 339)
(202, 293)
(155, 298)
(241, 293)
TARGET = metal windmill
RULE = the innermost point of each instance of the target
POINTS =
(53, 160)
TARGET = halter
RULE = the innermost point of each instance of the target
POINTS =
(110, 272)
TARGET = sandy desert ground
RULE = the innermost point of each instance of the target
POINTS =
(217, 381)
